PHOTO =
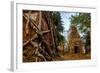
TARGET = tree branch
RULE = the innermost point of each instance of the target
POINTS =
(34, 37)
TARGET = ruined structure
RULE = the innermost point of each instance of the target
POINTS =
(75, 44)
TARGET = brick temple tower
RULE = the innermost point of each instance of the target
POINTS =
(75, 44)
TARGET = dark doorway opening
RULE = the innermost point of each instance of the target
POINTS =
(76, 49)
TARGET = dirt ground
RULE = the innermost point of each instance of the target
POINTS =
(73, 57)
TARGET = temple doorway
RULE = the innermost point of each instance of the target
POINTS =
(76, 49)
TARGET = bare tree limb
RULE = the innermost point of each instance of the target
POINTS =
(40, 19)
(25, 16)
(35, 44)
(34, 23)
(45, 31)
(34, 37)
